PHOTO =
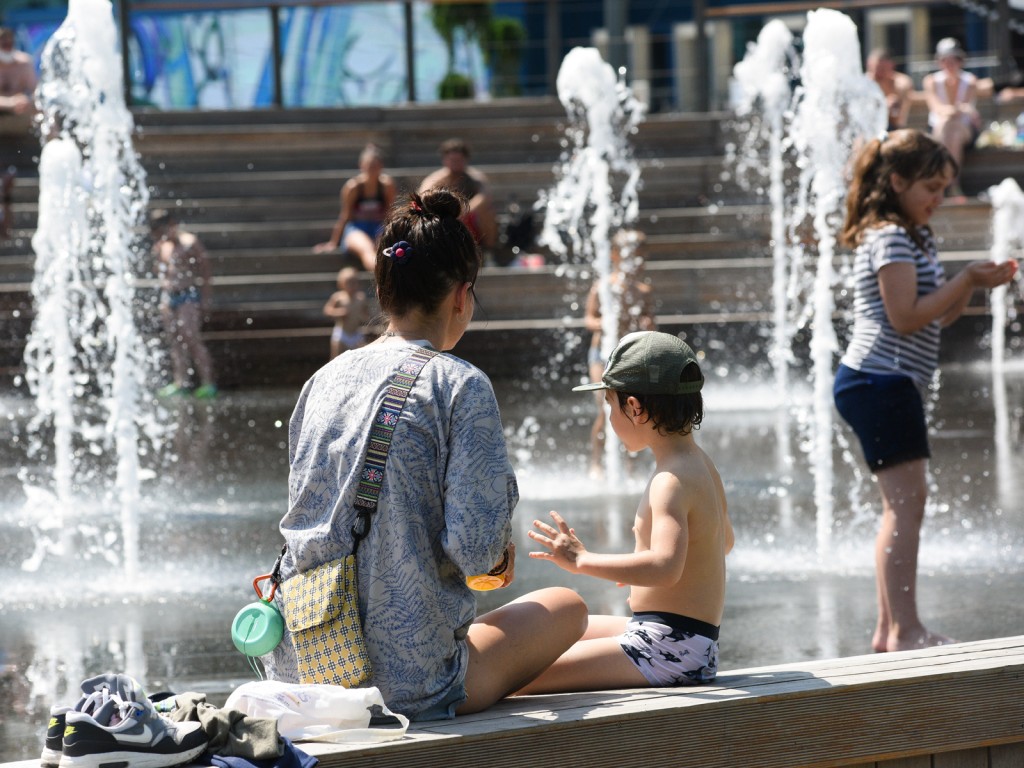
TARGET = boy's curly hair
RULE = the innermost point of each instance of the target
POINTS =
(671, 414)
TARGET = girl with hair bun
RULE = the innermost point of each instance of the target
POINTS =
(902, 300)
(447, 495)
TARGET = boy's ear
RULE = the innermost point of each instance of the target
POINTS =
(634, 408)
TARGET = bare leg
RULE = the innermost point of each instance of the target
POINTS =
(511, 645)
(596, 662)
(362, 245)
(904, 492)
(176, 344)
(954, 135)
(189, 322)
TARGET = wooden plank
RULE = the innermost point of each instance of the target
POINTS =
(949, 707)
(921, 761)
(968, 758)
(839, 712)
(1006, 756)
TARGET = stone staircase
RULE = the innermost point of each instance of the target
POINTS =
(260, 188)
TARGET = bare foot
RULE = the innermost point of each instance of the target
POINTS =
(924, 639)
(879, 641)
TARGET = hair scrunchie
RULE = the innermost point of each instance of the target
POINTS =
(399, 253)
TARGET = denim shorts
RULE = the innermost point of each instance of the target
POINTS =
(887, 414)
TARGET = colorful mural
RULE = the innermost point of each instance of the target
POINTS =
(351, 55)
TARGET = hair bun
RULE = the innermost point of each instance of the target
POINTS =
(443, 203)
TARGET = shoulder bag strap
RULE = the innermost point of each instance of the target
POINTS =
(381, 431)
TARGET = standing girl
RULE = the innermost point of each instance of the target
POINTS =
(901, 302)
(446, 496)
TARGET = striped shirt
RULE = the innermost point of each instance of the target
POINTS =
(875, 346)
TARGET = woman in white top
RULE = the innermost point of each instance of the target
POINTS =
(951, 95)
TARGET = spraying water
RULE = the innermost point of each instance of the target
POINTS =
(596, 188)
(762, 82)
(816, 127)
(1007, 236)
(837, 105)
(87, 363)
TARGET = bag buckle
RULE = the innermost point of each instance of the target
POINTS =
(259, 592)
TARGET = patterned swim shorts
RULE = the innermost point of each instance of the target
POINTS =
(670, 649)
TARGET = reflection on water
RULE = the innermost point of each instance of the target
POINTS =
(208, 526)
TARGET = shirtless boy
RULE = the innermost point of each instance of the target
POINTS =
(676, 572)
(349, 310)
(185, 281)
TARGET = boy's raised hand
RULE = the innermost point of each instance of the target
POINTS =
(563, 545)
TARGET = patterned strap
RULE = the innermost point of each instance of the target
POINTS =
(381, 431)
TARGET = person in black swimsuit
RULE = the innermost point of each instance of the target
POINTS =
(365, 199)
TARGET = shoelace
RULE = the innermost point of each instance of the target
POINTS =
(95, 701)
(125, 710)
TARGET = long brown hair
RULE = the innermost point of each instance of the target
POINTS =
(871, 200)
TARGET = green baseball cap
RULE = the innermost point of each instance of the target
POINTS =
(648, 363)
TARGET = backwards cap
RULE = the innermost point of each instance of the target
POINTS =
(949, 46)
(648, 363)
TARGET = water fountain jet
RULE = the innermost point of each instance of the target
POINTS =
(596, 190)
(834, 106)
(87, 362)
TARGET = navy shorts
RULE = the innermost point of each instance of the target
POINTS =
(887, 414)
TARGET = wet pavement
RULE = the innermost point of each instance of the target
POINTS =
(208, 525)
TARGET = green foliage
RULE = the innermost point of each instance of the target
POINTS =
(506, 38)
(501, 39)
(455, 85)
(471, 18)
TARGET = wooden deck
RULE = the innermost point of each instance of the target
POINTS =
(958, 706)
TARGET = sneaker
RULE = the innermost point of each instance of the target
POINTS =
(205, 392)
(172, 390)
(96, 701)
(54, 744)
(129, 733)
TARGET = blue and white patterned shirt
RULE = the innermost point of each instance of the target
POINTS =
(444, 513)
(875, 346)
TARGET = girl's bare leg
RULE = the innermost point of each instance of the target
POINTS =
(904, 492)
(511, 645)
(362, 245)
(596, 662)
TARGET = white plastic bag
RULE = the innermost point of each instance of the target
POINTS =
(319, 712)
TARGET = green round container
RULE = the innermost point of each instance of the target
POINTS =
(257, 628)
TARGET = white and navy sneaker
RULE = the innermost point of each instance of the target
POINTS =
(128, 734)
(54, 744)
(95, 695)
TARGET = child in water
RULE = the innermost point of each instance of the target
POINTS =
(902, 300)
(185, 283)
(626, 287)
(676, 572)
